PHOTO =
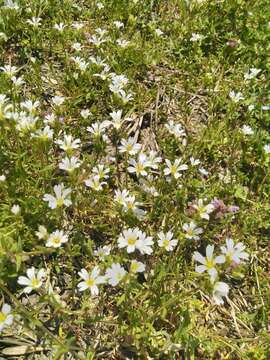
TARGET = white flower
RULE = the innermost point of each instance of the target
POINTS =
(33, 280)
(192, 231)
(58, 100)
(103, 251)
(101, 171)
(100, 6)
(104, 73)
(122, 43)
(70, 164)
(60, 27)
(6, 318)
(61, 197)
(115, 274)
(9, 70)
(85, 113)
(91, 280)
(121, 196)
(69, 143)
(196, 37)
(252, 73)
(236, 96)
(121, 80)
(247, 130)
(49, 119)
(220, 290)
(98, 61)
(129, 146)
(118, 24)
(125, 97)
(194, 162)
(42, 232)
(17, 81)
(204, 210)
(175, 168)
(266, 148)
(80, 63)
(234, 252)
(94, 183)
(203, 171)
(129, 239)
(117, 120)
(136, 267)
(77, 25)
(44, 134)
(209, 262)
(118, 82)
(2, 178)
(166, 240)
(138, 166)
(98, 128)
(175, 129)
(10, 4)
(130, 203)
(145, 243)
(56, 239)
(34, 21)
(15, 209)
(24, 122)
(153, 160)
(115, 88)
(97, 40)
(77, 46)
(159, 32)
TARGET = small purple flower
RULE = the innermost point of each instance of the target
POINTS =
(221, 209)
(233, 208)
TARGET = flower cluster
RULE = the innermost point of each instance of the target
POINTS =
(232, 255)
(120, 173)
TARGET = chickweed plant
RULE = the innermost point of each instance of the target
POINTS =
(134, 179)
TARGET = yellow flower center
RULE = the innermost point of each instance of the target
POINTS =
(209, 263)
(90, 282)
(132, 240)
(2, 317)
(57, 240)
(34, 283)
(201, 209)
(190, 232)
(139, 167)
(60, 202)
(166, 242)
(129, 205)
(134, 267)
(96, 185)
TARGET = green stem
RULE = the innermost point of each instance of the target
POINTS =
(39, 323)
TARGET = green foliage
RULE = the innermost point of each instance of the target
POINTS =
(167, 311)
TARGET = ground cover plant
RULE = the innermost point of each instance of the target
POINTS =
(134, 179)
